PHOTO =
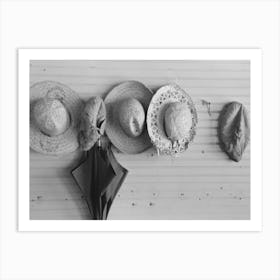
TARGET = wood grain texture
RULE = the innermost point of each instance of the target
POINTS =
(201, 183)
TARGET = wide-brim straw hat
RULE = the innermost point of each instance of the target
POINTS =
(116, 134)
(166, 95)
(66, 142)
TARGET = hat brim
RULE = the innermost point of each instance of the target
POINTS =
(155, 119)
(123, 142)
(66, 142)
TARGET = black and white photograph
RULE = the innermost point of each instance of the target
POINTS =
(140, 140)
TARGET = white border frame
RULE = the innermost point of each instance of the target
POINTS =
(24, 57)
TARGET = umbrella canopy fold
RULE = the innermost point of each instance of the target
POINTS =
(99, 177)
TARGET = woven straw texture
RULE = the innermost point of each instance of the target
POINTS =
(123, 142)
(66, 142)
(155, 119)
(92, 123)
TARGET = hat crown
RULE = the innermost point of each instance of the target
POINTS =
(132, 117)
(51, 116)
(92, 123)
(177, 121)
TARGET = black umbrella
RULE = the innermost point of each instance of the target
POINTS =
(100, 177)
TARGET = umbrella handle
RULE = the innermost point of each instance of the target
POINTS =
(104, 142)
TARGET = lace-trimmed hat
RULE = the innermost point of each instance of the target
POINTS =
(171, 120)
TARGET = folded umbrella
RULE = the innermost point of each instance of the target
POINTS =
(113, 187)
(99, 177)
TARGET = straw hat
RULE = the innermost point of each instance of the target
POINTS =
(234, 130)
(92, 123)
(54, 113)
(126, 106)
(171, 120)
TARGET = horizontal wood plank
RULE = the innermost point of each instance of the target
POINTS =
(202, 183)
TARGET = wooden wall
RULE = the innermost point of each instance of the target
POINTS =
(202, 183)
